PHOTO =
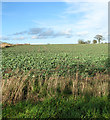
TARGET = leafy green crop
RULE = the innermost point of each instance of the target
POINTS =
(63, 59)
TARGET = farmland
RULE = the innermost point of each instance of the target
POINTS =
(45, 73)
(51, 57)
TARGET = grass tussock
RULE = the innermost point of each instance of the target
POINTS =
(29, 86)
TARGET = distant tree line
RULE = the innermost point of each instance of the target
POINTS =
(98, 39)
(80, 41)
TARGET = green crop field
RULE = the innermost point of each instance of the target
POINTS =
(61, 58)
(44, 72)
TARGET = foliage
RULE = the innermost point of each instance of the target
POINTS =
(94, 41)
(84, 42)
(60, 107)
(81, 41)
(51, 59)
(99, 38)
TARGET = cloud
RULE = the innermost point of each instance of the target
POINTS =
(47, 32)
(96, 16)
(41, 33)
(4, 38)
(82, 33)
(34, 37)
(44, 33)
(39, 37)
(19, 38)
(36, 30)
(20, 33)
(92, 17)
(67, 33)
(75, 8)
(12, 38)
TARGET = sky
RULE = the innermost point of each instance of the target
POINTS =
(53, 22)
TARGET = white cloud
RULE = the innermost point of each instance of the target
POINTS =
(68, 31)
(82, 33)
(34, 37)
(94, 17)
(75, 8)
(39, 37)
(19, 38)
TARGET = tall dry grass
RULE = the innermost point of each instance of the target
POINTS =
(22, 86)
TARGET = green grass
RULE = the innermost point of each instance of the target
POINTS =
(60, 107)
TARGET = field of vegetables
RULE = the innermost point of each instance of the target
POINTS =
(36, 72)
(48, 59)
